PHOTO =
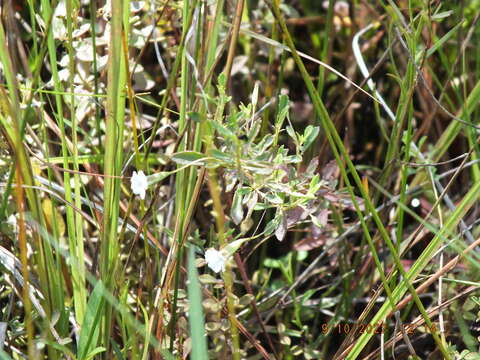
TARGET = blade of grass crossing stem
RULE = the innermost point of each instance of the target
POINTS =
(213, 37)
(195, 313)
(420, 264)
(115, 122)
(407, 88)
(182, 183)
(148, 333)
(47, 14)
(471, 132)
(455, 126)
(171, 80)
(404, 176)
(326, 42)
(76, 237)
(451, 132)
(404, 111)
(335, 140)
(269, 79)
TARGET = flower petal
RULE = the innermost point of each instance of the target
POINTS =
(215, 260)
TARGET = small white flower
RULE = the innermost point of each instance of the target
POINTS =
(64, 75)
(34, 104)
(215, 260)
(81, 30)
(415, 202)
(60, 10)
(64, 61)
(139, 184)
(84, 51)
(59, 29)
(106, 11)
(12, 221)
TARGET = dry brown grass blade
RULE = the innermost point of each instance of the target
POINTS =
(419, 321)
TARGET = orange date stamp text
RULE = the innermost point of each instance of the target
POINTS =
(361, 328)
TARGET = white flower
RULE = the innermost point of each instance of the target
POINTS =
(415, 202)
(81, 30)
(58, 21)
(61, 9)
(139, 184)
(64, 75)
(84, 50)
(12, 221)
(58, 28)
(215, 260)
(106, 11)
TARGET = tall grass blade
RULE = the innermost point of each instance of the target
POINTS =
(196, 317)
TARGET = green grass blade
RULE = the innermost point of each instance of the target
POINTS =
(196, 317)
(90, 331)
(115, 122)
(462, 208)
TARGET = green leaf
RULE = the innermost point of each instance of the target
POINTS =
(272, 225)
(264, 144)
(157, 177)
(90, 331)
(292, 134)
(207, 279)
(221, 155)
(223, 131)
(283, 107)
(222, 80)
(195, 116)
(117, 351)
(282, 228)
(309, 136)
(315, 185)
(277, 263)
(94, 352)
(188, 158)
(442, 15)
(254, 130)
(250, 200)
(262, 206)
(4, 355)
(315, 222)
(272, 263)
(237, 210)
(302, 255)
(257, 168)
(232, 247)
(292, 159)
(438, 44)
(274, 198)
